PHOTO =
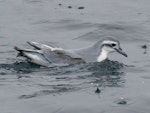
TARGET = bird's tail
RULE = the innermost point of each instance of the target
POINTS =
(34, 56)
(22, 51)
(19, 50)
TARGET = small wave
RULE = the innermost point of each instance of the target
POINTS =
(106, 67)
(57, 90)
(70, 78)
(21, 67)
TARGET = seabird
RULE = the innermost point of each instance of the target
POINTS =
(45, 55)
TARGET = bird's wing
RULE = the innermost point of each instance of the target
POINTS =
(46, 55)
(40, 46)
(62, 56)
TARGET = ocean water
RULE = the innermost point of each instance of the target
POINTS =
(117, 85)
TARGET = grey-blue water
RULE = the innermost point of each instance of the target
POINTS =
(117, 85)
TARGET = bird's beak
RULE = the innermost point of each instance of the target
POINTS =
(119, 50)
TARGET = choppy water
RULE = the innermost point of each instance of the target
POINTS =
(117, 85)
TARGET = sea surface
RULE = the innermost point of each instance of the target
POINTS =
(116, 85)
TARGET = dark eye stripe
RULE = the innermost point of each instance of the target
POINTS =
(110, 45)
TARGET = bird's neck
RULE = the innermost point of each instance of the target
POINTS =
(103, 55)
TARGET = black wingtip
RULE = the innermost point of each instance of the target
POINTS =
(16, 48)
(19, 50)
(28, 42)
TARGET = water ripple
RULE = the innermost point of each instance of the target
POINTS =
(56, 80)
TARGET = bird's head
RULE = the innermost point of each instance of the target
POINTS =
(112, 45)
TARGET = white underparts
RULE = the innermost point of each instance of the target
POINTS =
(103, 55)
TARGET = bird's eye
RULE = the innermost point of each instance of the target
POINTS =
(113, 45)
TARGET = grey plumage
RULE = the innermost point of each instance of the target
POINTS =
(46, 55)
(90, 54)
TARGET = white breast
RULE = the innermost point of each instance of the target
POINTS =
(103, 55)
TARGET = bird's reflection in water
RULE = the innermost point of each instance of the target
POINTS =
(64, 79)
